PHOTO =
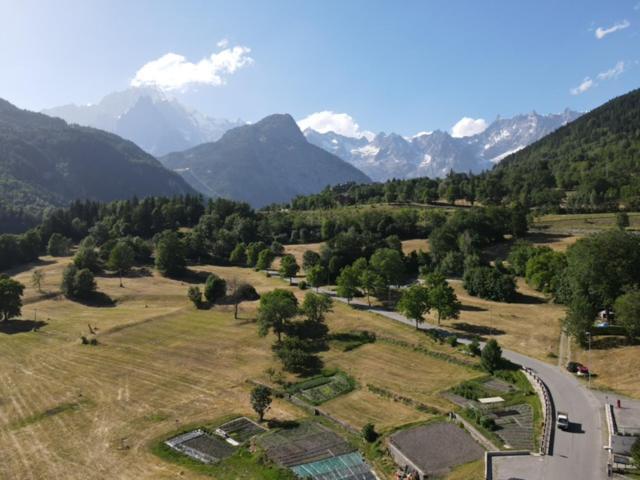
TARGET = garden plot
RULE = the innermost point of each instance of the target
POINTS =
(350, 466)
(201, 446)
(321, 389)
(305, 443)
(313, 451)
(240, 429)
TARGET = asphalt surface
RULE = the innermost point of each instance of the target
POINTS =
(575, 454)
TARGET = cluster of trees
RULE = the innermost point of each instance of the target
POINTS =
(18, 249)
(588, 161)
(600, 272)
(218, 290)
(300, 330)
(436, 294)
(490, 283)
(455, 186)
(78, 283)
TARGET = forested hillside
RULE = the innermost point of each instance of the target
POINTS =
(592, 163)
(46, 162)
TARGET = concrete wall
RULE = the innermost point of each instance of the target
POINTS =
(618, 444)
(403, 461)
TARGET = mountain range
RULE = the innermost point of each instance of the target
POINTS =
(270, 161)
(145, 115)
(46, 162)
(434, 154)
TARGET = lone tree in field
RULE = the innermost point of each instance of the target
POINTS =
(37, 278)
(491, 357)
(10, 297)
(348, 283)
(260, 400)
(121, 259)
(414, 303)
(317, 276)
(276, 309)
(288, 267)
(442, 297)
(627, 309)
(215, 288)
(241, 292)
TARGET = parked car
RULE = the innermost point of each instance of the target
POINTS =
(573, 366)
(582, 371)
(602, 324)
(563, 421)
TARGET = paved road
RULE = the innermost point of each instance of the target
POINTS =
(576, 454)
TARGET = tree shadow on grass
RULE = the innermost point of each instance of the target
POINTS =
(609, 342)
(192, 276)
(525, 299)
(477, 329)
(11, 327)
(283, 424)
(472, 308)
(28, 266)
(97, 300)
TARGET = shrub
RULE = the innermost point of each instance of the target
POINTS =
(474, 348)
(452, 340)
(214, 288)
(195, 295)
(302, 285)
(369, 433)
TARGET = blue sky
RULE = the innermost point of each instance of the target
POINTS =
(403, 66)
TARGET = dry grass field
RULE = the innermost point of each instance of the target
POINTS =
(416, 244)
(583, 222)
(91, 412)
(614, 369)
(530, 325)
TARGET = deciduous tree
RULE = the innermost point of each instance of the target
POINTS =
(414, 303)
(260, 400)
(11, 292)
(276, 310)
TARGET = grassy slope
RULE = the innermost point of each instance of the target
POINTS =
(81, 412)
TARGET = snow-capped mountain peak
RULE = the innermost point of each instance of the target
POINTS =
(435, 153)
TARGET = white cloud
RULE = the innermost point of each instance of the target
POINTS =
(340, 123)
(589, 83)
(586, 84)
(467, 127)
(603, 32)
(223, 43)
(172, 71)
(614, 72)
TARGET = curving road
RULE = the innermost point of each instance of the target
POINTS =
(576, 454)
